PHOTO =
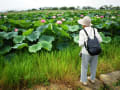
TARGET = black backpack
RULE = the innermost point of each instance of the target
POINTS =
(93, 46)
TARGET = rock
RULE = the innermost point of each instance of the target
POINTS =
(110, 78)
(117, 88)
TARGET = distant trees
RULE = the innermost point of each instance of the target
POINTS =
(110, 7)
(63, 8)
(116, 8)
(88, 7)
(104, 7)
(71, 8)
(34, 9)
(67, 8)
(55, 8)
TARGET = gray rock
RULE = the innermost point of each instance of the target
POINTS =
(110, 78)
(117, 88)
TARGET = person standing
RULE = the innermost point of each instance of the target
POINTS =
(84, 34)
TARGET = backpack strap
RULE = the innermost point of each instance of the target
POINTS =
(87, 36)
(85, 32)
(94, 32)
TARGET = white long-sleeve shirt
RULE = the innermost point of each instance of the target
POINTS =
(83, 37)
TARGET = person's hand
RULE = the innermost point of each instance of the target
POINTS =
(80, 54)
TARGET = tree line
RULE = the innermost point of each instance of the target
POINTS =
(104, 7)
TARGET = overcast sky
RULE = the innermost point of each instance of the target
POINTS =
(28, 4)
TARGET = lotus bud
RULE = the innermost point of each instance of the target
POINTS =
(59, 22)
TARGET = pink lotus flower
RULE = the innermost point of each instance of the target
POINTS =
(59, 22)
(81, 15)
(53, 17)
(63, 19)
(16, 30)
(43, 21)
(102, 16)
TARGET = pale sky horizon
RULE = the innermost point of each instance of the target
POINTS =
(6, 5)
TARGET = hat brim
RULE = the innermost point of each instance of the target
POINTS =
(82, 23)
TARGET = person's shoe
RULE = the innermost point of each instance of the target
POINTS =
(92, 81)
(84, 83)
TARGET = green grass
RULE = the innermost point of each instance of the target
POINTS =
(25, 69)
(117, 83)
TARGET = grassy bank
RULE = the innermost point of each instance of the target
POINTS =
(25, 69)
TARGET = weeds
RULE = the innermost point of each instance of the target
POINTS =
(25, 69)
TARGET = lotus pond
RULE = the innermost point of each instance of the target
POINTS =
(42, 46)
(48, 30)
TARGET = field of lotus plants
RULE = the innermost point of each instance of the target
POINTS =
(51, 30)
(41, 47)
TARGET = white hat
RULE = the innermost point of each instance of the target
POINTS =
(85, 21)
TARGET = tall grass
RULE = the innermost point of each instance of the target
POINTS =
(25, 69)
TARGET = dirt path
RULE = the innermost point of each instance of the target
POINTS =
(74, 86)
(106, 82)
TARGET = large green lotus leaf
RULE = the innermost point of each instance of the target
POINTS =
(5, 50)
(65, 27)
(76, 38)
(115, 23)
(4, 28)
(60, 32)
(20, 46)
(104, 38)
(33, 36)
(64, 33)
(20, 23)
(51, 20)
(48, 30)
(100, 26)
(107, 39)
(116, 38)
(1, 42)
(107, 24)
(42, 28)
(37, 23)
(46, 38)
(101, 34)
(34, 48)
(18, 39)
(27, 32)
(3, 35)
(62, 45)
(11, 35)
(73, 28)
(46, 45)
(50, 26)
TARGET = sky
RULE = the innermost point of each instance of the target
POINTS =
(29, 4)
